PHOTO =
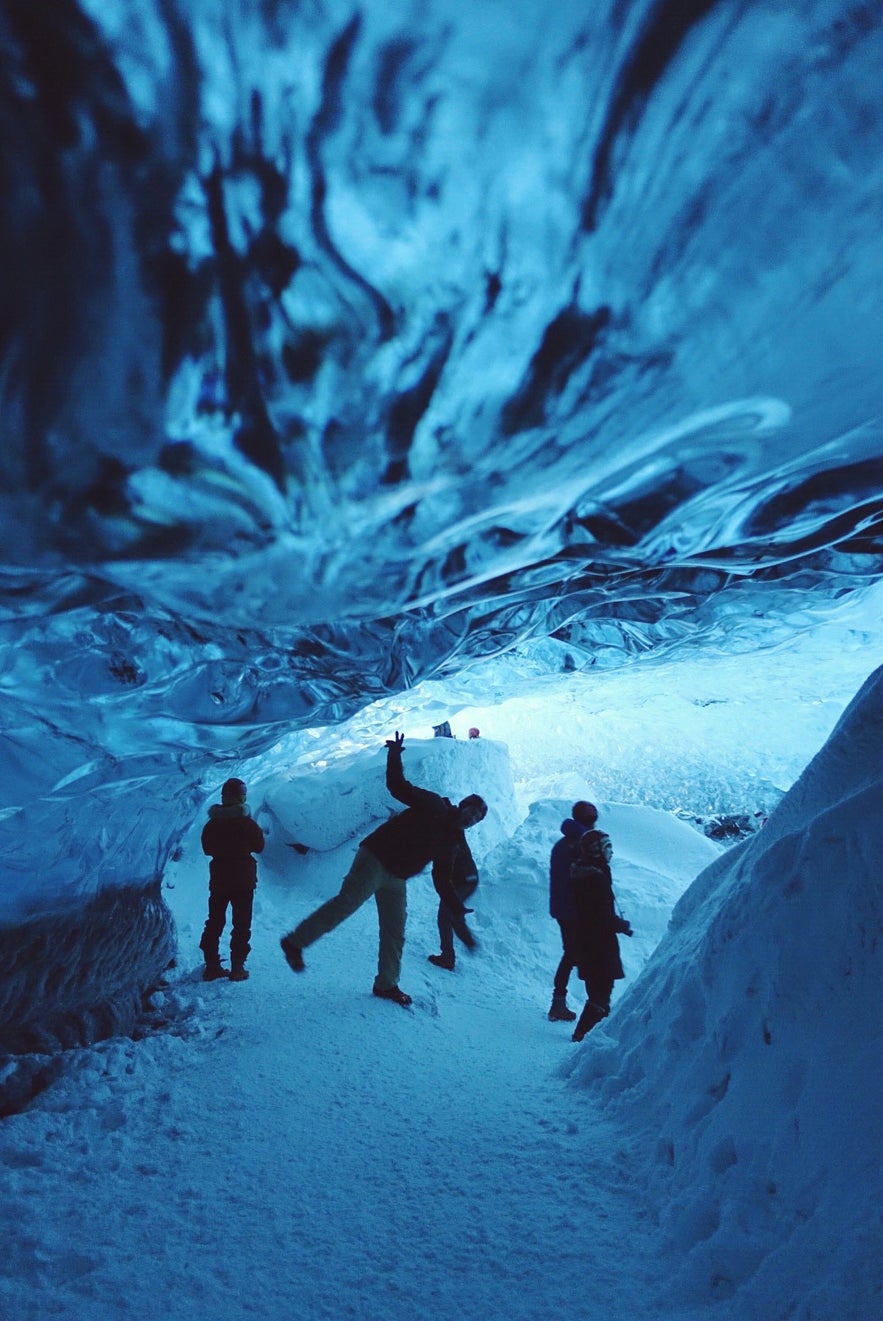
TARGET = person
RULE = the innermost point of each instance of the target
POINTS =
(230, 837)
(597, 922)
(430, 830)
(443, 730)
(464, 879)
(475, 732)
(562, 904)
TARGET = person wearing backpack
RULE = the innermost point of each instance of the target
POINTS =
(430, 830)
(597, 922)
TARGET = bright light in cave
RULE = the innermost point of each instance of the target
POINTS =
(700, 734)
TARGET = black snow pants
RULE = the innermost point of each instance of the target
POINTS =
(237, 894)
(448, 924)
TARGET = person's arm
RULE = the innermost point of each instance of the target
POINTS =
(409, 794)
(206, 839)
(257, 840)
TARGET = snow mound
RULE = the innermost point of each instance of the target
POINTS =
(749, 1053)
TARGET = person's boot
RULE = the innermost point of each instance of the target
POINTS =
(293, 953)
(239, 973)
(213, 970)
(393, 993)
(559, 1013)
(590, 1017)
(443, 961)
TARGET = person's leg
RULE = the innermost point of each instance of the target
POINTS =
(464, 892)
(449, 925)
(559, 1011)
(392, 910)
(445, 932)
(564, 969)
(569, 940)
(217, 917)
(446, 959)
(360, 882)
(599, 988)
(242, 904)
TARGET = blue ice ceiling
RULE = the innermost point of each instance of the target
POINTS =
(343, 344)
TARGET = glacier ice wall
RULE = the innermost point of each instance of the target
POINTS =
(343, 344)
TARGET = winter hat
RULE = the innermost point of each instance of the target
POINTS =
(233, 791)
(585, 813)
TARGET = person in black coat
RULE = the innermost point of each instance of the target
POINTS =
(562, 904)
(429, 831)
(596, 943)
(229, 838)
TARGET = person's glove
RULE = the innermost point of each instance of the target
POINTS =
(623, 926)
(396, 744)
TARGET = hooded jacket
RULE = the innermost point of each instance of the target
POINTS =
(597, 946)
(427, 832)
(229, 838)
(562, 905)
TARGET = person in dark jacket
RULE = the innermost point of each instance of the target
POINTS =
(229, 838)
(429, 831)
(464, 879)
(596, 945)
(562, 904)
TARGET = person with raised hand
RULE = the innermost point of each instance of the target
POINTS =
(430, 830)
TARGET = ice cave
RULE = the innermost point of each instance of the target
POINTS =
(369, 365)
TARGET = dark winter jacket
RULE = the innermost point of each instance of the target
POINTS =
(229, 838)
(562, 905)
(426, 832)
(597, 946)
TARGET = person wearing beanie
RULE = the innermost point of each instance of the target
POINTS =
(230, 837)
(597, 921)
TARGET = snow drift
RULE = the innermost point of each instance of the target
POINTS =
(749, 1053)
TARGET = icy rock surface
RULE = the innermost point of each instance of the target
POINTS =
(78, 974)
(343, 345)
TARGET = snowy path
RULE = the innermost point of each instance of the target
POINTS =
(306, 1151)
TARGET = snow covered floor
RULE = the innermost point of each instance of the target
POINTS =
(293, 1147)
(306, 1150)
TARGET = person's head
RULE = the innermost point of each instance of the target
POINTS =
(474, 732)
(572, 830)
(470, 811)
(586, 814)
(233, 792)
